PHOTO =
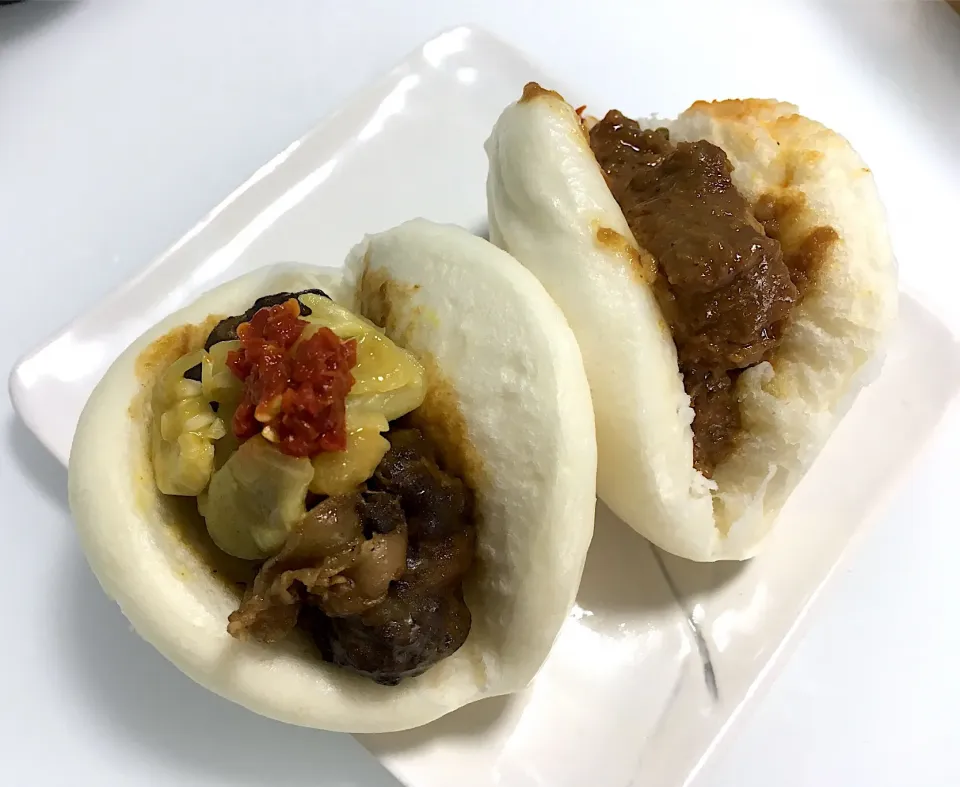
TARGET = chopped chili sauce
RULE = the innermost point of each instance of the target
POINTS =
(294, 391)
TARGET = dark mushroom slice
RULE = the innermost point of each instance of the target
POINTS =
(226, 329)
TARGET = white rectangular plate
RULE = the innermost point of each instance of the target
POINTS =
(659, 655)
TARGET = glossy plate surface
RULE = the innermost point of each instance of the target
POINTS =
(659, 655)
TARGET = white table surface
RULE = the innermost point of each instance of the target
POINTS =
(122, 123)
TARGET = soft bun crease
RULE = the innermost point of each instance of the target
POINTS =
(550, 207)
(509, 407)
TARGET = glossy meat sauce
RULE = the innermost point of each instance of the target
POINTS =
(374, 576)
(723, 283)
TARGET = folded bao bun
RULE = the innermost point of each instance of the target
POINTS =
(551, 208)
(508, 403)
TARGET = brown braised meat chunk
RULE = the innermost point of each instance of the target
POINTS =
(722, 283)
(424, 618)
(402, 637)
(326, 561)
(374, 576)
(380, 512)
(435, 503)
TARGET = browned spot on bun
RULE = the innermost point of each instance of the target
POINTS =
(164, 351)
(441, 420)
(804, 248)
(735, 108)
(386, 302)
(532, 90)
(789, 123)
(640, 263)
(791, 162)
(806, 259)
(789, 173)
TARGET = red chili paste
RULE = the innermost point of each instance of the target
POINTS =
(293, 392)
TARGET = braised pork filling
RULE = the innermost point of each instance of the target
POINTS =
(289, 429)
(724, 283)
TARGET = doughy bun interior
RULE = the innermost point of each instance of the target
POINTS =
(508, 403)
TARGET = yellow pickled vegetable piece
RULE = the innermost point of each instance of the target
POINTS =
(220, 384)
(389, 383)
(255, 499)
(184, 429)
(339, 472)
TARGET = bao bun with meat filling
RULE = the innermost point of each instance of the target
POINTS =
(350, 499)
(728, 275)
